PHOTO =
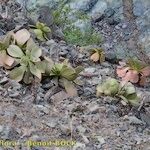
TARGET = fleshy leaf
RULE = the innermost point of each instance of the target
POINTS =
(79, 69)
(39, 34)
(49, 65)
(39, 25)
(28, 77)
(68, 73)
(35, 51)
(8, 38)
(17, 73)
(35, 54)
(110, 87)
(35, 71)
(22, 36)
(41, 65)
(15, 51)
(46, 29)
(5, 59)
(134, 101)
(146, 71)
(121, 72)
(142, 81)
(129, 88)
(56, 70)
(70, 88)
(9, 60)
(131, 76)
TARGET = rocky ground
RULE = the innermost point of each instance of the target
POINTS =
(47, 113)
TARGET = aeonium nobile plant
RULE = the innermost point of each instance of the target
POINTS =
(21, 54)
(134, 71)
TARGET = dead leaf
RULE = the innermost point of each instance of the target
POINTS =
(95, 57)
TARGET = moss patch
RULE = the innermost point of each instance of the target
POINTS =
(73, 34)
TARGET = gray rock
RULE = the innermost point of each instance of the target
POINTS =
(4, 80)
(53, 121)
(45, 16)
(90, 70)
(109, 12)
(14, 94)
(134, 120)
(8, 133)
(42, 108)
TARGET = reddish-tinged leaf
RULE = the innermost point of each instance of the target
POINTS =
(146, 71)
(9, 60)
(121, 72)
(22, 36)
(6, 59)
(131, 76)
(142, 81)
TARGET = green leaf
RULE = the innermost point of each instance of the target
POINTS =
(39, 25)
(134, 102)
(30, 44)
(49, 65)
(68, 73)
(41, 65)
(34, 70)
(56, 70)
(110, 87)
(33, 51)
(46, 29)
(2, 46)
(79, 69)
(28, 77)
(15, 51)
(17, 73)
(70, 88)
(35, 54)
(24, 61)
(39, 34)
(129, 89)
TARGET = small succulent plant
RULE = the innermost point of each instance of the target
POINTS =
(29, 62)
(123, 90)
(41, 30)
(97, 54)
(133, 71)
(67, 75)
(5, 60)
